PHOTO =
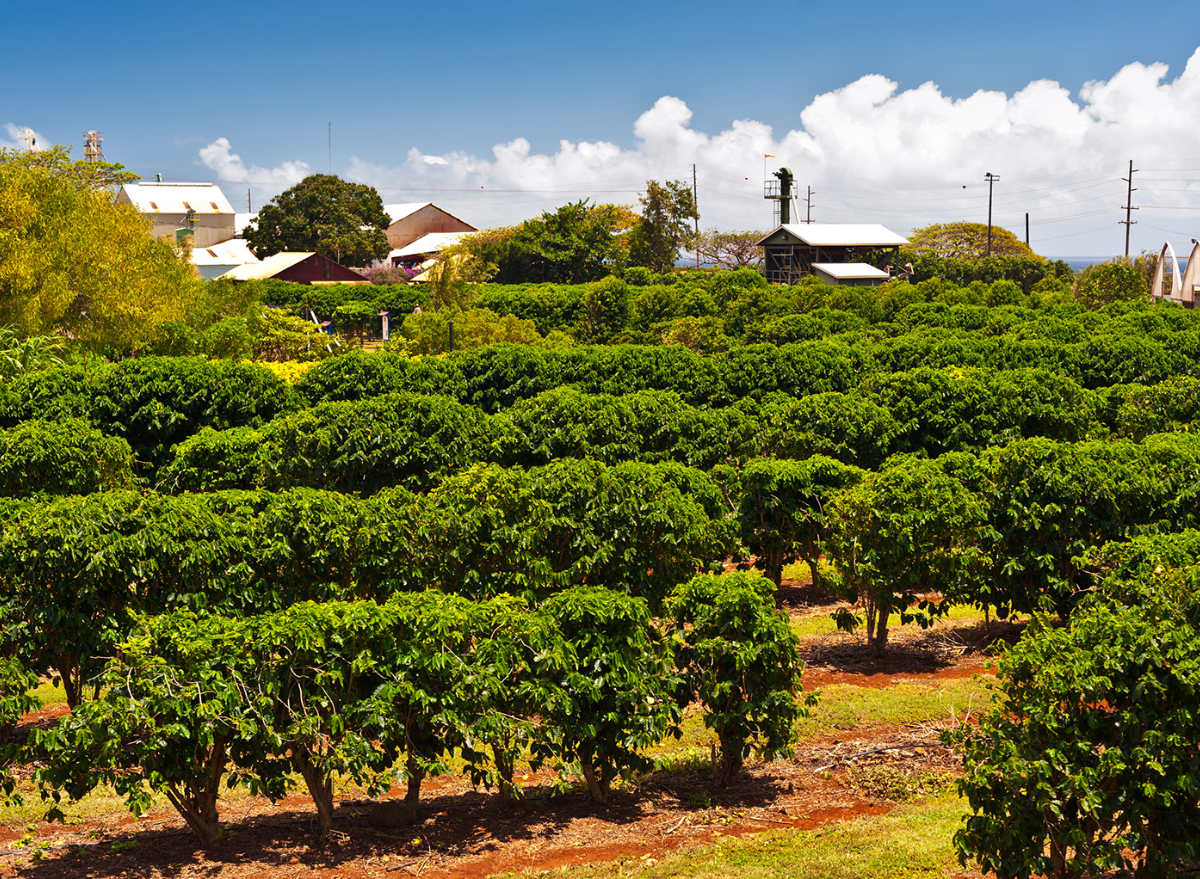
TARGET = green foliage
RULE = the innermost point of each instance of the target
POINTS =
(155, 402)
(739, 658)
(575, 244)
(82, 174)
(1141, 410)
(614, 686)
(664, 227)
(951, 409)
(1097, 286)
(430, 332)
(1087, 761)
(480, 533)
(214, 460)
(326, 299)
(109, 289)
(353, 446)
(340, 220)
(782, 511)
(22, 355)
(649, 426)
(901, 533)
(636, 528)
(1050, 502)
(66, 457)
(967, 241)
(849, 427)
(17, 682)
(399, 439)
(173, 716)
(603, 311)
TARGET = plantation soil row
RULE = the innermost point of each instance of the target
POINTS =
(462, 833)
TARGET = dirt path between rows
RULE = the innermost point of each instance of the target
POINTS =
(464, 833)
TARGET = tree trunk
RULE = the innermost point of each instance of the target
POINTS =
(197, 804)
(72, 678)
(813, 569)
(320, 788)
(597, 789)
(729, 763)
(877, 627)
(773, 568)
(504, 768)
(412, 798)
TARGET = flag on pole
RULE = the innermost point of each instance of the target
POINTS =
(768, 156)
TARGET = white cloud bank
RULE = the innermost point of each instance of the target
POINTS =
(220, 158)
(871, 152)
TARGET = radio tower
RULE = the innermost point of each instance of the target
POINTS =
(91, 146)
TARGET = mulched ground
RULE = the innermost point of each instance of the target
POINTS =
(465, 834)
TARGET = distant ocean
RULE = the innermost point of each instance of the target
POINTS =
(1081, 262)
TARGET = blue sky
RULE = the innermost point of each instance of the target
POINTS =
(420, 95)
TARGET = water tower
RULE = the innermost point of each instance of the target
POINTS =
(91, 146)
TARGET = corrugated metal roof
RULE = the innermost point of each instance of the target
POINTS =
(842, 235)
(397, 212)
(234, 252)
(177, 198)
(850, 270)
(268, 268)
(434, 242)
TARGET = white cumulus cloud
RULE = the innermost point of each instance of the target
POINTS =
(220, 158)
(871, 151)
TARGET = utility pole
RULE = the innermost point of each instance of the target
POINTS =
(1027, 229)
(696, 205)
(330, 147)
(1127, 222)
(249, 207)
(991, 179)
(809, 206)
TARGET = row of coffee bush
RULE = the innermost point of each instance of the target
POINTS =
(389, 692)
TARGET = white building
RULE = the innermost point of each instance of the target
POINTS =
(172, 207)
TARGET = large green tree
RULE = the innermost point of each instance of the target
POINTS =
(73, 262)
(324, 213)
(577, 243)
(57, 161)
(665, 227)
(968, 241)
(730, 250)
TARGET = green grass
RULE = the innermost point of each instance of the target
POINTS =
(820, 624)
(845, 706)
(911, 842)
(50, 694)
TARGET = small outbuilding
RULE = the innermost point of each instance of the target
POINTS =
(794, 250)
(409, 222)
(200, 208)
(849, 274)
(212, 262)
(299, 268)
(420, 253)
